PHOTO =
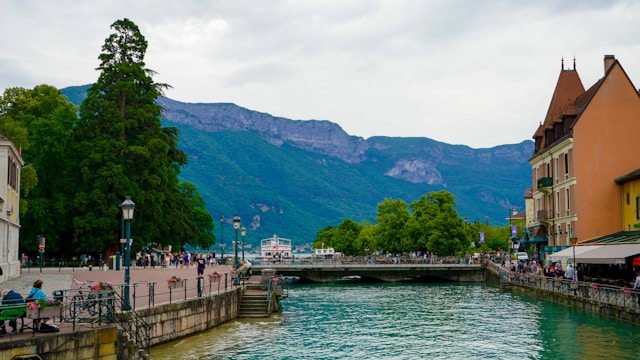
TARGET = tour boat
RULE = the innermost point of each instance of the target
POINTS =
(275, 247)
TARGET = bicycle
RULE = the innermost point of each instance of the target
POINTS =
(92, 303)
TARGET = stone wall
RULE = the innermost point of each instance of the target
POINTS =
(91, 344)
(172, 321)
(577, 302)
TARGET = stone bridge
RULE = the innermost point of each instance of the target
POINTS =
(380, 272)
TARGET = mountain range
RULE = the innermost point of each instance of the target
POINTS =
(295, 177)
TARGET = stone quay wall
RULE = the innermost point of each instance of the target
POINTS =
(591, 304)
(172, 321)
(99, 343)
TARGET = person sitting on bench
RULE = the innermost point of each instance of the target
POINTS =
(10, 297)
(245, 268)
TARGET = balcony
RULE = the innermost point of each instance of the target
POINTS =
(544, 215)
(545, 184)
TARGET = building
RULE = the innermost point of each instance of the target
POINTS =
(10, 165)
(584, 157)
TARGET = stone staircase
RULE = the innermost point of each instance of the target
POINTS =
(253, 305)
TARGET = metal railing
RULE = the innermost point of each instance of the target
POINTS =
(607, 294)
(83, 305)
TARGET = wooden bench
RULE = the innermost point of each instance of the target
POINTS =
(14, 312)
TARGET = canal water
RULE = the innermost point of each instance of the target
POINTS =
(412, 321)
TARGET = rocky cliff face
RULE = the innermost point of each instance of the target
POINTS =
(319, 136)
(415, 160)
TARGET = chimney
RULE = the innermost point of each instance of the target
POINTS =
(608, 61)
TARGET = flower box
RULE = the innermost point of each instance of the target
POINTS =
(44, 312)
(175, 284)
(574, 285)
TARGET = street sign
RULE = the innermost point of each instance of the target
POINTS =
(41, 250)
(41, 246)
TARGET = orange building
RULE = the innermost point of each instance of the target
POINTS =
(587, 143)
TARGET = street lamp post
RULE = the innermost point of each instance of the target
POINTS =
(127, 214)
(574, 239)
(236, 226)
(243, 232)
(221, 238)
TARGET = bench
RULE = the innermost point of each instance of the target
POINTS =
(13, 312)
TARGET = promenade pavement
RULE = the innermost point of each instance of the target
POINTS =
(63, 278)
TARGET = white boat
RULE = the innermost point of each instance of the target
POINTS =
(275, 247)
(324, 253)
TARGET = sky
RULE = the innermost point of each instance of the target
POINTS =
(476, 73)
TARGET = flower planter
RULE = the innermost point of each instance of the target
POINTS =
(47, 312)
(175, 284)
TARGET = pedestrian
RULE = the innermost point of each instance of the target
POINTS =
(202, 263)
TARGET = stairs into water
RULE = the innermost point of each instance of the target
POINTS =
(253, 305)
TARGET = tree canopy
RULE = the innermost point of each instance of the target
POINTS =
(82, 163)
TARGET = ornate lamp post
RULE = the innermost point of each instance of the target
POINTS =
(574, 239)
(236, 226)
(221, 238)
(127, 214)
(243, 232)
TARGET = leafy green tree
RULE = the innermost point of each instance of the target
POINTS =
(42, 121)
(366, 243)
(122, 150)
(392, 218)
(344, 240)
(324, 237)
(440, 228)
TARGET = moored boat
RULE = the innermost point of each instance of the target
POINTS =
(275, 247)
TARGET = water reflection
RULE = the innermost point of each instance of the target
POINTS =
(412, 321)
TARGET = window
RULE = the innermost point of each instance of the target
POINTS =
(558, 201)
(566, 163)
(566, 199)
(628, 199)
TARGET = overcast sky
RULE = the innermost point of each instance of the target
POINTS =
(478, 73)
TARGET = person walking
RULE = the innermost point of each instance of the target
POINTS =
(202, 263)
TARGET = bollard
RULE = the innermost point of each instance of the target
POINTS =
(200, 285)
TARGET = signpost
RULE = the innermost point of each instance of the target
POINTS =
(41, 241)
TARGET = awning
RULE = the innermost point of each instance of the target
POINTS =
(598, 254)
(567, 254)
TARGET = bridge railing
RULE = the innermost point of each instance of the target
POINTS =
(365, 260)
(608, 294)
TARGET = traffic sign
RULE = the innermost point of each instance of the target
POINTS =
(41, 246)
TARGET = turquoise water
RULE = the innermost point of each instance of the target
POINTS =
(412, 321)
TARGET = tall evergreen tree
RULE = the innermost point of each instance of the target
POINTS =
(123, 150)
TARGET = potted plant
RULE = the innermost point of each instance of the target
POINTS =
(102, 286)
(215, 276)
(174, 282)
(44, 308)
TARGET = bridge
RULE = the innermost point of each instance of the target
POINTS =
(323, 273)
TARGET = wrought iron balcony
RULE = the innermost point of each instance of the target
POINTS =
(544, 215)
